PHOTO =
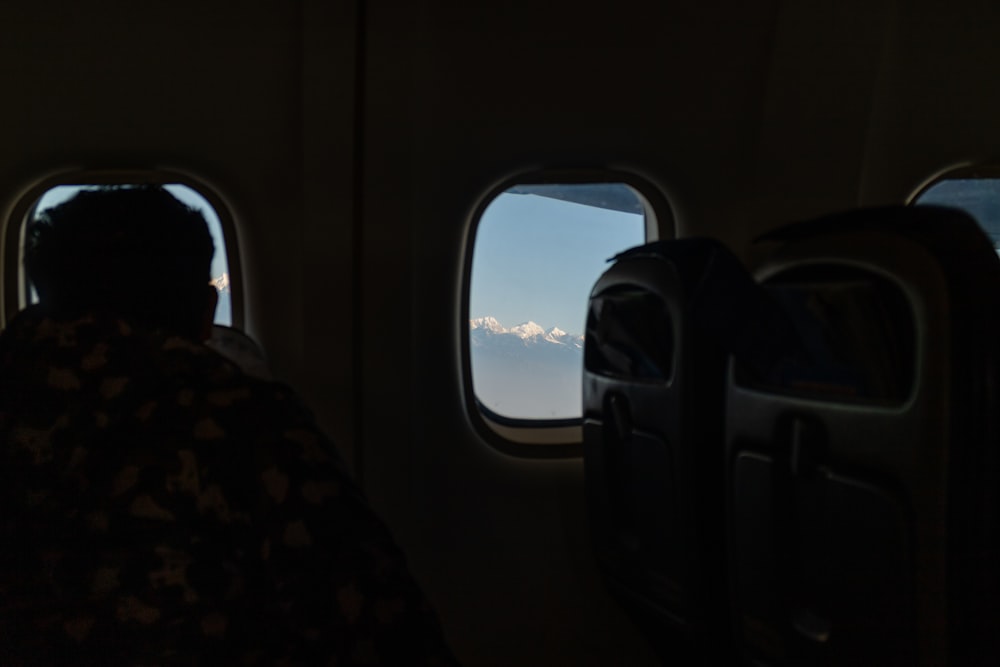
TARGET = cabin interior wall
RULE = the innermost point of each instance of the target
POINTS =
(459, 97)
(937, 103)
(824, 67)
(749, 117)
(256, 103)
(329, 216)
(353, 227)
(193, 88)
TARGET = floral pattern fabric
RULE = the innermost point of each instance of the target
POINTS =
(159, 507)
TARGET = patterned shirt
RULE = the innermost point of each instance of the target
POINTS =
(159, 507)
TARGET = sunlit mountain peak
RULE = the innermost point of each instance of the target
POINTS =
(527, 330)
(221, 283)
(487, 323)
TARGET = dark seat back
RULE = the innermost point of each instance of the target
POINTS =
(655, 354)
(863, 467)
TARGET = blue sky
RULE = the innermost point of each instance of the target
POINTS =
(979, 197)
(536, 258)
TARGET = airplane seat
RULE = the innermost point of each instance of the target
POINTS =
(655, 354)
(863, 469)
(238, 347)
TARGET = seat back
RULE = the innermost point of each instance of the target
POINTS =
(862, 469)
(655, 352)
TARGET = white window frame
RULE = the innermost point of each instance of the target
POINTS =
(15, 288)
(543, 438)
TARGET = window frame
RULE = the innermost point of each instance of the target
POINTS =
(957, 172)
(542, 438)
(14, 295)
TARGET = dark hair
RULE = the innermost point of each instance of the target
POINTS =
(132, 251)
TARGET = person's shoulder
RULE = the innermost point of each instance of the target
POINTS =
(232, 386)
(238, 347)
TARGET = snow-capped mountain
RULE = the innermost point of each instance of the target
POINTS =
(221, 283)
(487, 324)
(526, 371)
(224, 310)
(528, 332)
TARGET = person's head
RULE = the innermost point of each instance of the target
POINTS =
(131, 251)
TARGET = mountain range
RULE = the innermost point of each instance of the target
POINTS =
(221, 282)
(526, 371)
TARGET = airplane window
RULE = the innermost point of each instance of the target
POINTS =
(538, 251)
(220, 265)
(977, 195)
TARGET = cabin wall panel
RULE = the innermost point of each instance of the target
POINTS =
(257, 103)
(329, 215)
(189, 88)
(459, 97)
(748, 114)
(824, 69)
(937, 103)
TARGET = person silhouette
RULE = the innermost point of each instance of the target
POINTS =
(161, 506)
